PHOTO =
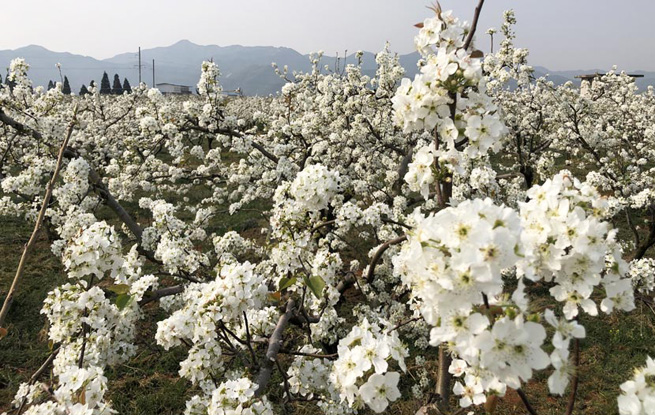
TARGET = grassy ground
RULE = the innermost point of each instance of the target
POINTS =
(148, 383)
(26, 345)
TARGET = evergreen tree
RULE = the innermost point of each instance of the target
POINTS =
(83, 90)
(67, 86)
(117, 89)
(105, 88)
(11, 84)
(92, 84)
(126, 86)
(51, 85)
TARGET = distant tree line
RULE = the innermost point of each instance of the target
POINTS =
(105, 87)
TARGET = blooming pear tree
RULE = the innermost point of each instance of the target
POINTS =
(411, 231)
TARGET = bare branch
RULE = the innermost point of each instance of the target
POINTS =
(474, 25)
(378, 254)
(650, 241)
(194, 126)
(161, 293)
(443, 381)
(526, 402)
(404, 323)
(39, 220)
(248, 338)
(274, 346)
(36, 375)
(576, 378)
(21, 128)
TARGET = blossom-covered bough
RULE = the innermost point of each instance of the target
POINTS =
(405, 227)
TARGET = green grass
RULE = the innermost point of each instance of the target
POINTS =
(26, 346)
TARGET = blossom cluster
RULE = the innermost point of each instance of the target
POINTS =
(237, 397)
(455, 260)
(208, 307)
(81, 392)
(566, 240)
(96, 251)
(638, 394)
(361, 373)
(448, 98)
(642, 272)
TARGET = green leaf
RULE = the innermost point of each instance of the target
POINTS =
(286, 282)
(119, 289)
(122, 301)
(316, 284)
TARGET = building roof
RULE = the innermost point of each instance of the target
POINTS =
(166, 83)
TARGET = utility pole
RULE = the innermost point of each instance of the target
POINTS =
(491, 32)
(139, 65)
(154, 85)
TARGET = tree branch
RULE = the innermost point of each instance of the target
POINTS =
(36, 375)
(474, 25)
(21, 128)
(526, 402)
(402, 171)
(248, 338)
(114, 205)
(161, 293)
(274, 346)
(231, 133)
(574, 383)
(650, 241)
(443, 381)
(370, 276)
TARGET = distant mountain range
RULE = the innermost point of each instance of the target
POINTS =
(245, 67)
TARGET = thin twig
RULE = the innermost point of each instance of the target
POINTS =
(85, 331)
(252, 352)
(404, 323)
(231, 333)
(286, 386)
(36, 375)
(322, 225)
(526, 402)
(39, 221)
(474, 25)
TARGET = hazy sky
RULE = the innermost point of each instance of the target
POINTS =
(561, 34)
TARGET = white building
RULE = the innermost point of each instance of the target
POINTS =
(166, 88)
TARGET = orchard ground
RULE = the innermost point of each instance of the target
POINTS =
(148, 383)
